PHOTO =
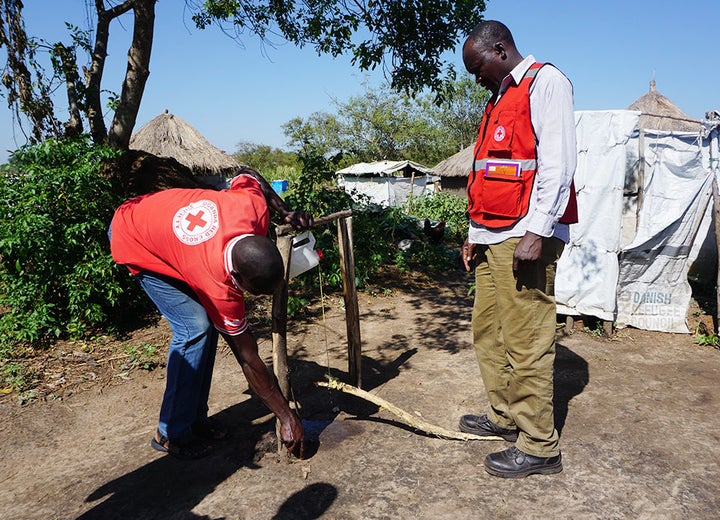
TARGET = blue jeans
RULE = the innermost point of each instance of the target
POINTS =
(191, 356)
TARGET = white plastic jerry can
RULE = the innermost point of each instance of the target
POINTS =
(303, 256)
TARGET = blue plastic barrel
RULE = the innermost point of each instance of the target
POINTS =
(280, 186)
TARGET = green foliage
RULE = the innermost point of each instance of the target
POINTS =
(57, 278)
(272, 163)
(315, 188)
(596, 332)
(445, 206)
(383, 124)
(296, 305)
(16, 376)
(460, 111)
(377, 230)
(321, 133)
(144, 357)
(705, 338)
(410, 38)
(423, 255)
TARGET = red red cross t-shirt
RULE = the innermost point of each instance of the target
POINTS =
(188, 234)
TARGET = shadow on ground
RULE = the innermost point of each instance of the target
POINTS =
(571, 377)
(167, 487)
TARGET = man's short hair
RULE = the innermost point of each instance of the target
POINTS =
(489, 32)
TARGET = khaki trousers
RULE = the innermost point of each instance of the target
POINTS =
(513, 324)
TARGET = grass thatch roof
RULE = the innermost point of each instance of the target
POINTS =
(457, 165)
(659, 113)
(167, 135)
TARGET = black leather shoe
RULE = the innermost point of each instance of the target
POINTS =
(513, 463)
(481, 425)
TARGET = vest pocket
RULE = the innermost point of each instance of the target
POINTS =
(502, 197)
(503, 128)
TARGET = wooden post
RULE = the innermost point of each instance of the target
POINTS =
(716, 222)
(279, 329)
(352, 314)
(608, 328)
(279, 320)
(412, 186)
(640, 177)
(569, 324)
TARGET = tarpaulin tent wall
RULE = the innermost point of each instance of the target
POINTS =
(388, 183)
(587, 271)
(639, 281)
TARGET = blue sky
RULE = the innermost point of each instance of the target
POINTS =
(609, 49)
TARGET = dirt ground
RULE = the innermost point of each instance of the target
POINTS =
(639, 416)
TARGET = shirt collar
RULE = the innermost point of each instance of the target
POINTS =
(517, 74)
(228, 259)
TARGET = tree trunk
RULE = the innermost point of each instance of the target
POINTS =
(74, 126)
(136, 76)
(93, 77)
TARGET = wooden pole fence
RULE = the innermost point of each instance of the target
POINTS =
(280, 300)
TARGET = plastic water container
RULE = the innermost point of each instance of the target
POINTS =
(303, 256)
(280, 186)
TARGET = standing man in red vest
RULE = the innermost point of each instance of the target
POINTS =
(520, 202)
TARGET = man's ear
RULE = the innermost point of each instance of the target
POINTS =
(500, 49)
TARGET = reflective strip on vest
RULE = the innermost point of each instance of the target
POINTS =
(525, 164)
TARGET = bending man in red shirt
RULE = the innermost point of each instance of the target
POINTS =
(195, 252)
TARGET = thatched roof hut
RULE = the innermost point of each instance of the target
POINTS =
(659, 113)
(457, 165)
(454, 171)
(167, 135)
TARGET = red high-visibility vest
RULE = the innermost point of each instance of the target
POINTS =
(505, 161)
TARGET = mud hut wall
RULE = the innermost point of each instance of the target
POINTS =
(454, 185)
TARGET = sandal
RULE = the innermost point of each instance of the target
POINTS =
(192, 448)
(209, 429)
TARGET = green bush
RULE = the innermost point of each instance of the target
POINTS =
(57, 278)
(377, 230)
(445, 206)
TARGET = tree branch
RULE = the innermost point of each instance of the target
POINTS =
(405, 417)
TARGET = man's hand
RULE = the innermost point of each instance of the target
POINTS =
(299, 220)
(244, 347)
(528, 249)
(292, 435)
(468, 254)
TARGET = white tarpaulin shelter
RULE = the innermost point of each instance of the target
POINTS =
(612, 269)
(388, 183)
(653, 288)
(587, 272)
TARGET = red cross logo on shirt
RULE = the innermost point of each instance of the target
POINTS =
(196, 220)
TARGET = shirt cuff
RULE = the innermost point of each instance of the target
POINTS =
(541, 224)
